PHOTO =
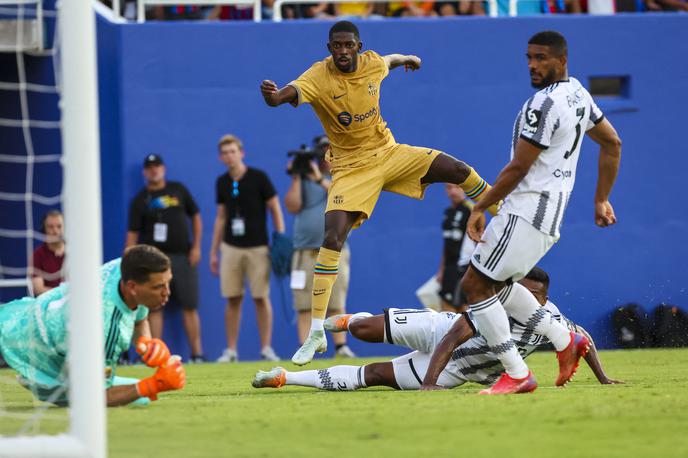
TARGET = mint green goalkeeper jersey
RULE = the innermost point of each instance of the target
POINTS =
(33, 332)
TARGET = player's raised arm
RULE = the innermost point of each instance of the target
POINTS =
(610, 157)
(274, 96)
(397, 60)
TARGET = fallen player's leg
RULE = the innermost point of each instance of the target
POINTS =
(336, 378)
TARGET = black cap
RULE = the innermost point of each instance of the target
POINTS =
(152, 159)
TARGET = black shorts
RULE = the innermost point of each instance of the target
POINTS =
(184, 285)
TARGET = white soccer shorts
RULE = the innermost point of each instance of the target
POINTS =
(420, 330)
(410, 370)
(417, 329)
(511, 247)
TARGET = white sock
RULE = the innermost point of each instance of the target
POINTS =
(522, 306)
(317, 325)
(358, 316)
(337, 378)
(491, 320)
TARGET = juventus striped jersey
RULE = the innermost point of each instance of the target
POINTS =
(474, 361)
(554, 120)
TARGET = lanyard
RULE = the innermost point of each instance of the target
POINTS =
(235, 198)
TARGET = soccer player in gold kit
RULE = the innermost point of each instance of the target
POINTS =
(344, 91)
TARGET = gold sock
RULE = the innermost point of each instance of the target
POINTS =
(475, 187)
(324, 276)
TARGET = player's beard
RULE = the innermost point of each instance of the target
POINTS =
(546, 80)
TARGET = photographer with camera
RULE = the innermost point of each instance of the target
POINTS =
(307, 199)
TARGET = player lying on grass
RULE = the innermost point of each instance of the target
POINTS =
(422, 331)
(33, 331)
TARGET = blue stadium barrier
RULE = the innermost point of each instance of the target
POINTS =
(175, 88)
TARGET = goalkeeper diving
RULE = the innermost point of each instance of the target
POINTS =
(33, 332)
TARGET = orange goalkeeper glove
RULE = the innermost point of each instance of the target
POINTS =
(170, 376)
(153, 352)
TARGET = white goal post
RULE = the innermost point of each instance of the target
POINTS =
(86, 436)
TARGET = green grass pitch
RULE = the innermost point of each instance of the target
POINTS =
(219, 414)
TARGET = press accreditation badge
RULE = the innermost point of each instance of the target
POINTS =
(298, 279)
(238, 227)
(160, 232)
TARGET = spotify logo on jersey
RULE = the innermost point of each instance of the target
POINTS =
(344, 118)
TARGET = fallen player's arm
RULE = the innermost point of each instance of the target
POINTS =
(121, 395)
(593, 360)
(274, 96)
(397, 60)
(460, 332)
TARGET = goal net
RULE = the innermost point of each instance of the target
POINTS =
(49, 158)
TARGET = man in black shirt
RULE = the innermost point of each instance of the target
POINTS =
(244, 195)
(456, 249)
(158, 216)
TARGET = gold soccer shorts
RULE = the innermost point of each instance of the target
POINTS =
(398, 169)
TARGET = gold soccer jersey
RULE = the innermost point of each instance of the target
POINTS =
(348, 105)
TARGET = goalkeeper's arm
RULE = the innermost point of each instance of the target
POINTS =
(169, 376)
(121, 395)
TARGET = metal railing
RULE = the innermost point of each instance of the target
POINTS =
(493, 9)
(141, 8)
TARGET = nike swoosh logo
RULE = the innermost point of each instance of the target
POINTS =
(335, 97)
(318, 294)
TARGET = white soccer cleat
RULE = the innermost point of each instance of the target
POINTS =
(345, 352)
(315, 342)
(268, 354)
(274, 378)
(228, 356)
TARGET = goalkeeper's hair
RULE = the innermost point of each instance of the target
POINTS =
(551, 38)
(539, 275)
(344, 26)
(139, 261)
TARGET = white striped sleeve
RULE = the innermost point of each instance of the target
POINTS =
(540, 121)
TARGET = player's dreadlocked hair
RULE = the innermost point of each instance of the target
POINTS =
(538, 275)
(344, 26)
(550, 38)
(140, 261)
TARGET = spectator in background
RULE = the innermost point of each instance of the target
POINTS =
(463, 8)
(307, 199)
(316, 10)
(407, 9)
(158, 216)
(178, 12)
(667, 5)
(353, 10)
(244, 195)
(48, 258)
(457, 248)
(245, 11)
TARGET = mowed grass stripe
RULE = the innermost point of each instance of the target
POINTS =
(219, 414)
